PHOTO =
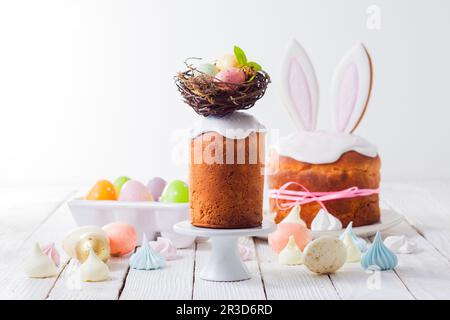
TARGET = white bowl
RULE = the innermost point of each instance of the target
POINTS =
(148, 217)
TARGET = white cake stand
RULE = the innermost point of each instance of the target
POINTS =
(225, 263)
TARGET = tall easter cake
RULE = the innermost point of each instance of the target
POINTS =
(227, 151)
(338, 171)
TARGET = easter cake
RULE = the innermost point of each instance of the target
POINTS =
(227, 152)
(337, 172)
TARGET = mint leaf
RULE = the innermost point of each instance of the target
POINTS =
(240, 56)
(254, 66)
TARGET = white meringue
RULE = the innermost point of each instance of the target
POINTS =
(39, 265)
(245, 252)
(294, 216)
(51, 251)
(165, 248)
(324, 221)
(353, 253)
(400, 244)
(94, 269)
(291, 254)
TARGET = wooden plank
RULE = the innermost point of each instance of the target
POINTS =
(174, 282)
(240, 290)
(69, 286)
(426, 206)
(14, 284)
(291, 282)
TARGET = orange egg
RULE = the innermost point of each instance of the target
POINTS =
(102, 190)
(122, 238)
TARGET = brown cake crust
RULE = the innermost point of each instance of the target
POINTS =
(352, 169)
(227, 195)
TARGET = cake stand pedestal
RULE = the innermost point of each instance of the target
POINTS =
(225, 263)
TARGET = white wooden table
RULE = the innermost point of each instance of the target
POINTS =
(40, 214)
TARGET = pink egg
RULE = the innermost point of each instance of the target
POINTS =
(232, 75)
(122, 238)
(133, 190)
(156, 186)
(279, 238)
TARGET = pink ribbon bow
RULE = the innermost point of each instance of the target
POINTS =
(306, 196)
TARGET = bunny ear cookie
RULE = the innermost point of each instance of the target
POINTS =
(299, 87)
(351, 87)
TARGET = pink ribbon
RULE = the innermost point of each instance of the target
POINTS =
(306, 196)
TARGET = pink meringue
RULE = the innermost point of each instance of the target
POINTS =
(165, 248)
(245, 252)
(51, 251)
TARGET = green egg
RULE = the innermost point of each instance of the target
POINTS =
(176, 191)
(119, 182)
(207, 68)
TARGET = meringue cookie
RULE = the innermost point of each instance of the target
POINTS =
(324, 221)
(291, 254)
(93, 269)
(378, 256)
(39, 265)
(325, 255)
(245, 252)
(400, 244)
(165, 248)
(51, 251)
(360, 242)
(353, 253)
(294, 216)
(145, 258)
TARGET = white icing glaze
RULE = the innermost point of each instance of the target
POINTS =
(400, 244)
(323, 147)
(324, 221)
(238, 125)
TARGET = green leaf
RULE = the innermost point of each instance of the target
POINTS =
(254, 66)
(240, 56)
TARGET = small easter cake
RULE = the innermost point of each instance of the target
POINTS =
(226, 176)
(337, 171)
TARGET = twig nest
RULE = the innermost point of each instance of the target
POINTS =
(229, 90)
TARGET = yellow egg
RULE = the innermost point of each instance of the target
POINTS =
(226, 61)
(102, 190)
(97, 242)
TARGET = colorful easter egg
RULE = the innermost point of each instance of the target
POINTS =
(102, 190)
(119, 182)
(156, 186)
(122, 238)
(206, 68)
(231, 75)
(226, 61)
(134, 190)
(92, 241)
(175, 191)
(279, 239)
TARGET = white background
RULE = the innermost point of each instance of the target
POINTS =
(86, 87)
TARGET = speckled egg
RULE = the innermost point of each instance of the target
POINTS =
(206, 68)
(175, 191)
(122, 238)
(156, 186)
(226, 61)
(325, 255)
(279, 239)
(102, 190)
(134, 190)
(231, 75)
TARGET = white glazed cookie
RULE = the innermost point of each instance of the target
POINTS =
(325, 255)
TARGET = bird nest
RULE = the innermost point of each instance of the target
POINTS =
(209, 96)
